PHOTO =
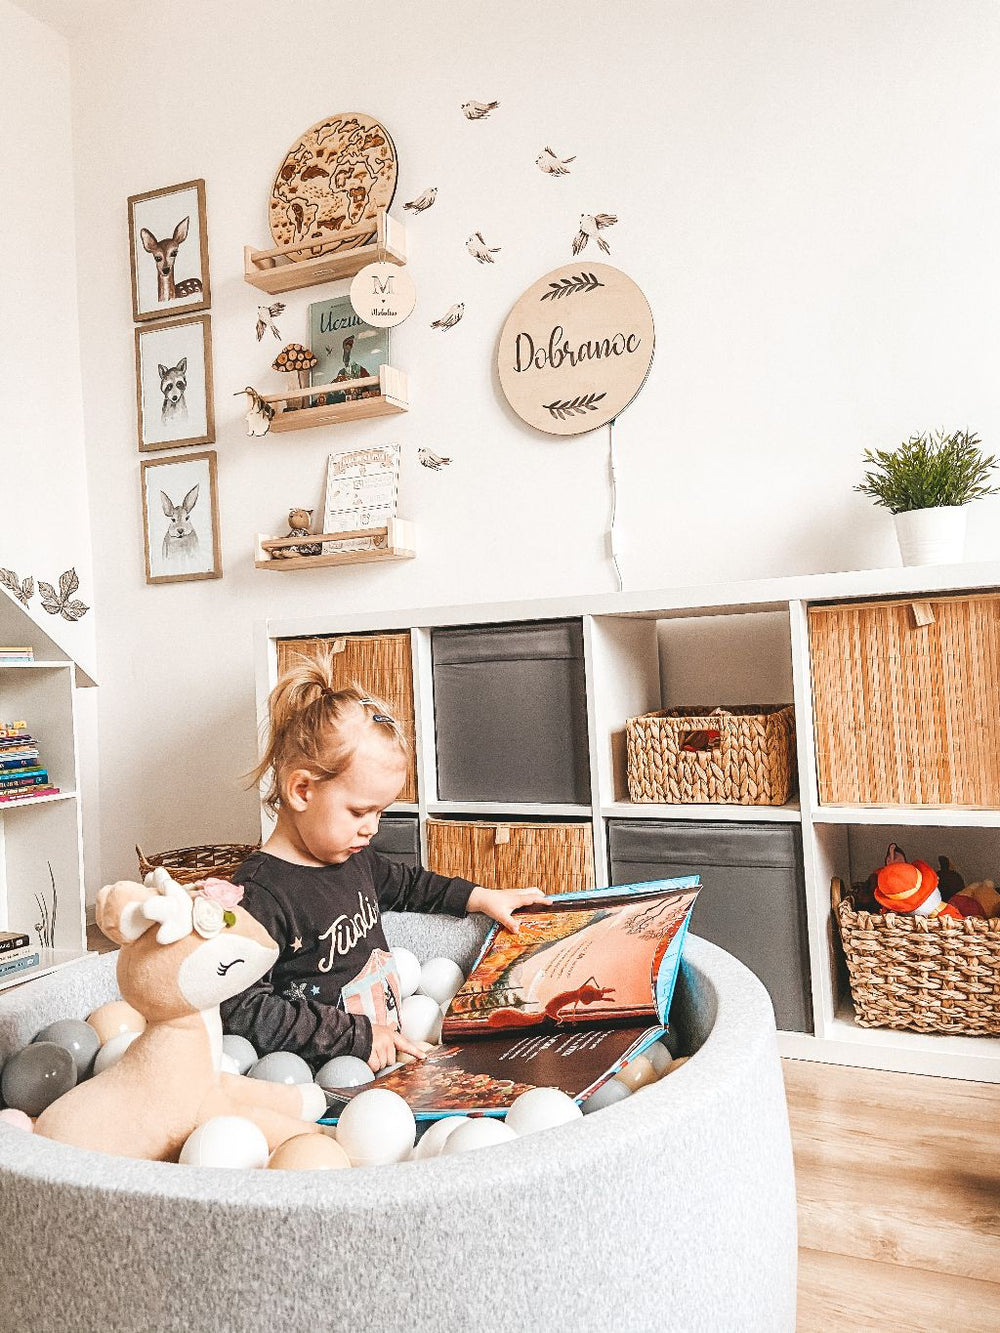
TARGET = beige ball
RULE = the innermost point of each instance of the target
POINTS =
(309, 1152)
(111, 1019)
(637, 1073)
(681, 1060)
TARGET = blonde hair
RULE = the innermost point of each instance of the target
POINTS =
(313, 725)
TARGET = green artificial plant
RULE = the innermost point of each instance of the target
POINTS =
(929, 471)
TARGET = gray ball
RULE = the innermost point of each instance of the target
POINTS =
(344, 1071)
(659, 1056)
(241, 1050)
(606, 1095)
(281, 1067)
(34, 1077)
(77, 1037)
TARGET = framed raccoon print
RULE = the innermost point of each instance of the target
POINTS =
(173, 384)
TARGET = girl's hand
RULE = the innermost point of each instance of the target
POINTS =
(501, 904)
(386, 1042)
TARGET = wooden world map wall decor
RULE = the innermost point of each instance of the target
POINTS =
(576, 348)
(337, 175)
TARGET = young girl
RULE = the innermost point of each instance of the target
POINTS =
(336, 759)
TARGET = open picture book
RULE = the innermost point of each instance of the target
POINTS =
(582, 988)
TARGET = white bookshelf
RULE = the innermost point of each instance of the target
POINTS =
(41, 837)
(737, 643)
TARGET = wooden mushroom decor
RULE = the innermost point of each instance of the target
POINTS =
(294, 359)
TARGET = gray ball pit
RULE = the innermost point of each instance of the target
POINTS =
(672, 1210)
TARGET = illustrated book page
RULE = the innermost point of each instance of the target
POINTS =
(362, 488)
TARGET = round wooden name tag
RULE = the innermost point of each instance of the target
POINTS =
(383, 294)
(576, 348)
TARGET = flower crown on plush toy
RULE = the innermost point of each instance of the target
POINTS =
(205, 909)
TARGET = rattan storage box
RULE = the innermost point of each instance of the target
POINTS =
(906, 701)
(743, 755)
(921, 973)
(556, 858)
(379, 663)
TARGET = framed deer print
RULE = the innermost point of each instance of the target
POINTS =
(174, 398)
(168, 245)
(180, 518)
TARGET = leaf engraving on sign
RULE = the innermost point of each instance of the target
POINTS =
(574, 406)
(585, 282)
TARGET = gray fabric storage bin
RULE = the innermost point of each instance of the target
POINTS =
(398, 838)
(752, 902)
(511, 713)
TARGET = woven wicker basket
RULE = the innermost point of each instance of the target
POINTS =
(380, 663)
(557, 858)
(926, 974)
(751, 763)
(188, 864)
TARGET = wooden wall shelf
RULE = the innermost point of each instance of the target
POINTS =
(393, 396)
(395, 541)
(275, 271)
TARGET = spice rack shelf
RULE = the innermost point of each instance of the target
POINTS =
(393, 397)
(277, 270)
(395, 541)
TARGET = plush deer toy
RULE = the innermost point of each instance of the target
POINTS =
(204, 949)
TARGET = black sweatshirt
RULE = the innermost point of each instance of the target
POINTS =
(334, 976)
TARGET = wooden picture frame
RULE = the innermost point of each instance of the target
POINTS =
(168, 250)
(177, 546)
(174, 387)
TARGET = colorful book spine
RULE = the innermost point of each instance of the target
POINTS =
(16, 955)
(12, 765)
(27, 792)
(12, 939)
(27, 777)
(22, 965)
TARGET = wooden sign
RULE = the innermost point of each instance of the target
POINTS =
(576, 349)
(383, 294)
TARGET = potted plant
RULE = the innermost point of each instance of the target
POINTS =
(925, 483)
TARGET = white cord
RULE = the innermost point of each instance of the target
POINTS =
(614, 501)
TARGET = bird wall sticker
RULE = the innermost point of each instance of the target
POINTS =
(478, 110)
(22, 591)
(422, 201)
(266, 315)
(429, 459)
(479, 250)
(552, 165)
(590, 225)
(259, 414)
(450, 318)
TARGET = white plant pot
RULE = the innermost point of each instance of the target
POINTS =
(931, 536)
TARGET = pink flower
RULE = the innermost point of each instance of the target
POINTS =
(222, 892)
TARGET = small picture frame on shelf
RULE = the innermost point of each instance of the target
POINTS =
(174, 398)
(362, 491)
(180, 518)
(168, 247)
(346, 348)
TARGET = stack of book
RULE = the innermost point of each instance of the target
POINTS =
(16, 954)
(16, 656)
(21, 771)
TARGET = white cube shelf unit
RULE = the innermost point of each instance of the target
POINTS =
(718, 644)
(41, 838)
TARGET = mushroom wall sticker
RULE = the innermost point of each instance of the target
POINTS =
(294, 359)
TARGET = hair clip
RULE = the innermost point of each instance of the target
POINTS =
(383, 717)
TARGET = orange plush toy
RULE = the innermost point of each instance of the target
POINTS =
(912, 888)
(182, 953)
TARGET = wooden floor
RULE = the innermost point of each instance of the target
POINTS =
(898, 1180)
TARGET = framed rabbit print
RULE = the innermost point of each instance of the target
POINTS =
(174, 397)
(180, 518)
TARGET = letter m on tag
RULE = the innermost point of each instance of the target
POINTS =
(380, 287)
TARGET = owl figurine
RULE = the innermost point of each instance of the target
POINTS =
(299, 523)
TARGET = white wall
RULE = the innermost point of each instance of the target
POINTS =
(44, 512)
(807, 194)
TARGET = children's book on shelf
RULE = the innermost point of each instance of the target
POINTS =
(11, 941)
(12, 967)
(16, 656)
(362, 488)
(22, 773)
(346, 348)
(582, 988)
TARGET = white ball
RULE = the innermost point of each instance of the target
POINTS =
(541, 1108)
(344, 1071)
(441, 979)
(113, 1050)
(241, 1050)
(420, 1019)
(226, 1140)
(408, 967)
(606, 1095)
(483, 1132)
(281, 1067)
(228, 1064)
(375, 1128)
(435, 1138)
